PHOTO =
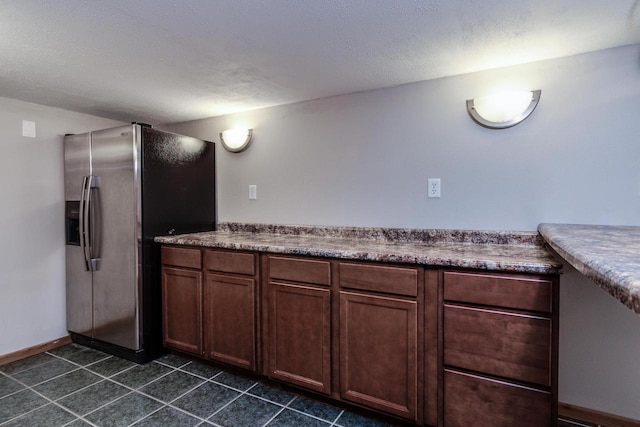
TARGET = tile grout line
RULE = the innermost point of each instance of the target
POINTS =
(53, 378)
(57, 356)
(25, 413)
(157, 361)
(101, 380)
(337, 418)
(138, 391)
(169, 404)
(271, 401)
(31, 389)
(314, 416)
(107, 404)
(284, 408)
(147, 416)
(12, 393)
(82, 417)
(131, 391)
(197, 375)
(35, 366)
(107, 357)
(206, 420)
(242, 393)
(231, 401)
(232, 388)
(50, 401)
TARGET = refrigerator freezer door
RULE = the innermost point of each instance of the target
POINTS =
(77, 166)
(115, 157)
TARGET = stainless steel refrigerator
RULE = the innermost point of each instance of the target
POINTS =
(123, 187)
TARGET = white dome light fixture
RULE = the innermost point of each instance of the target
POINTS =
(503, 110)
(236, 140)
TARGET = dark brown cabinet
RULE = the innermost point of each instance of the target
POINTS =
(182, 300)
(229, 319)
(504, 344)
(379, 352)
(486, 402)
(298, 318)
(209, 308)
(434, 347)
(499, 350)
(182, 313)
(299, 347)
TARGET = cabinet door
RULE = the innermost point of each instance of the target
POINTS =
(182, 309)
(300, 335)
(379, 352)
(229, 319)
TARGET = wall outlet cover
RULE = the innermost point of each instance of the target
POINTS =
(28, 129)
(433, 187)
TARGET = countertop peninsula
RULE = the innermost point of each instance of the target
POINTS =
(521, 252)
(608, 255)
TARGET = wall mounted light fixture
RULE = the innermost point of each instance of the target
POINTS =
(236, 140)
(503, 110)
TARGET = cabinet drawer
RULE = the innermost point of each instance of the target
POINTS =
(471, 400)
(509, 345)
(181, 257)
(379, 278)
(230, 262)
(300, 270)
(519, 292)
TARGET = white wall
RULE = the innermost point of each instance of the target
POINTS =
(364, 160)
(599, 348)
(32, 268)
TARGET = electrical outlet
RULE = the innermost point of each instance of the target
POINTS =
(253, 192)
(434, 187)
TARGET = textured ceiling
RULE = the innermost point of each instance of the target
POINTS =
(167, 61)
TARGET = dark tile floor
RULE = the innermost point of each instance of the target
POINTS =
(78, 386)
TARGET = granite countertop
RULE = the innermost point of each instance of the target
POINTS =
(608, 255)
(488, 250)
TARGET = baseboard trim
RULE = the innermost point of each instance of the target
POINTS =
(33, 350)
(595, 417)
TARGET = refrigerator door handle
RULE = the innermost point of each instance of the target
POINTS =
(84, 222)
(94, 221)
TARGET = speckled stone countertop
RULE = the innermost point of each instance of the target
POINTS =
(488, 250)
(608, 255)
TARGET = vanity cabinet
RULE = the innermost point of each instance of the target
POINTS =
(499, 357)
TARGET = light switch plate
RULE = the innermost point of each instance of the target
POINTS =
(253, 192)
(28, 129)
